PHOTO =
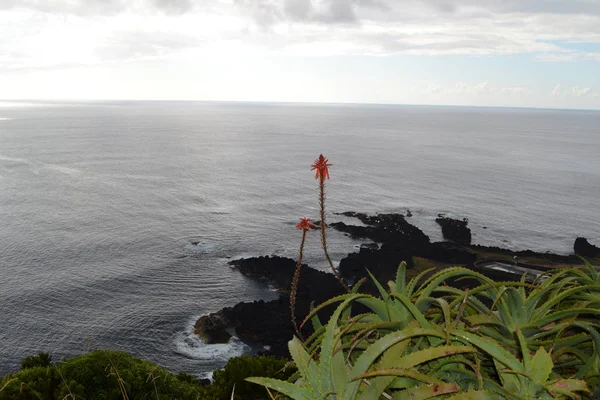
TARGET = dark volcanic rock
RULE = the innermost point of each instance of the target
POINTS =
(449, 253)
(213, 328)
(455, 230)
(382, 263)
(548, 257)
(585, 249)
(385, 228)
(269, 323)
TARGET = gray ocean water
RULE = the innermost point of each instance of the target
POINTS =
(101, 202)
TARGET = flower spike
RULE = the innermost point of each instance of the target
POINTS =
(305, 224)
(320, 167)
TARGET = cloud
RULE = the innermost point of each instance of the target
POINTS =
(579, 92)
(574, 91)
(96, 7)
(476, 89)
(36, 33)
(269, 12)
(556, 90)
(433, 89)
(173, 6)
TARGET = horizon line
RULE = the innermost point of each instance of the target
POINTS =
(296, 102)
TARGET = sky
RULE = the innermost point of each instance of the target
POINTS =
(510, 53)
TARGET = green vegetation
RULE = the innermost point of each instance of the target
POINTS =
(423, 339)
(106, 375)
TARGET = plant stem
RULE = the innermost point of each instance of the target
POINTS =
(324, 233)
(294, 289)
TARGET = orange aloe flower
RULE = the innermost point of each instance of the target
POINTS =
(305, 224)
(320, 167)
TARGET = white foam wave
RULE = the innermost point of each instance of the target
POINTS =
(13, 159)
(5, 119)
(187, 343)
(62, 169)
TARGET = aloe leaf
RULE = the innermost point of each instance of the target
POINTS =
(562, 314)
(378, 306)
(524, 350)
(541, 366)
(481, 319)
(333, 300)
(316, 322)
(473, 395)
(424, 304)
(567, 387)
(423, 356)
(409, 373)
(382, 292)
(339, 371)
(401, 278)
(410, 287)
(388, 361)
(427, 392)
(492, 348)
(370, 355)
(429, 285)
(547, 306)
(328, 347)
(357, 285)
(306, 365)
(417, 315)
(287, 388)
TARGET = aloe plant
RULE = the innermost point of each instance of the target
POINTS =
(422, 339)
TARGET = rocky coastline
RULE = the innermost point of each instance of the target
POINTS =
(393, 240)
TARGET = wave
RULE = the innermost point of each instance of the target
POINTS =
(188, 344)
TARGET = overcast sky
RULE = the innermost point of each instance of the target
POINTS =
(472, 52)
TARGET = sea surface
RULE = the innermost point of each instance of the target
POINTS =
(101, 204)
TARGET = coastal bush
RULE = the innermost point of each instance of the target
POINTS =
(100, 374)
(107, 374)
(42, 359)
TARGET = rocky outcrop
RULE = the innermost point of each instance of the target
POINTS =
(585, 249)
(385, 228)
(455, 230)
(269, 323)
(401, 241)
(382, 263)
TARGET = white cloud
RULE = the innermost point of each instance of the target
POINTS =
(476, 89)
(574, 91)
(579, 92)
(33, 32)
(556, 90)
(433, 89)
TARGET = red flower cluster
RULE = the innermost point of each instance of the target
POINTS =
(305, 224)
(320, 167)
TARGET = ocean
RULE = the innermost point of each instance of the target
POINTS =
(118, 219)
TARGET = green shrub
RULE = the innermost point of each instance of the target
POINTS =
(114, 375)
(100, 374)
(238, 369)
(41, 360)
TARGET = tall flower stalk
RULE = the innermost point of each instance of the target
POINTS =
(321, 168)
(305, 225)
